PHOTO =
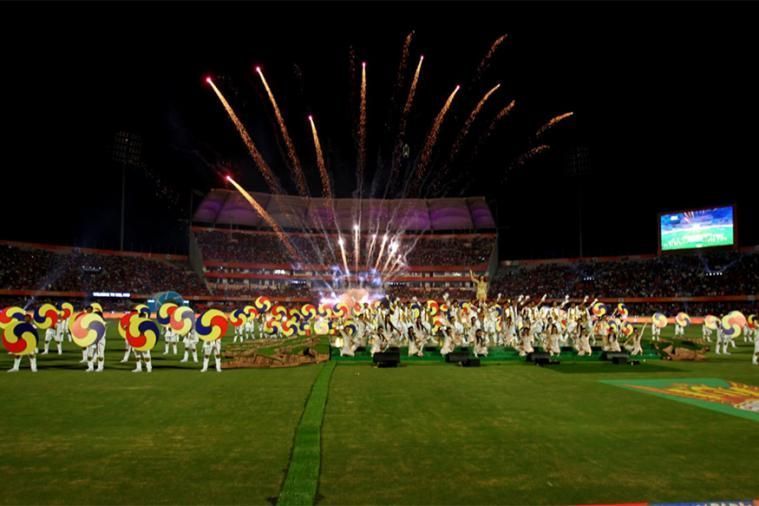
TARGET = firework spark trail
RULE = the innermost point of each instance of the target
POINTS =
(326, 186)
(371, 250)
(268, 219)
(469, 121)
(381, 250)
(395, 162)
(296, 169)
(271, 179)
(356, 242)
(400, 77)
(429, 144)
(345, 260)
(442, 173)
(552, 122)
(529, 155)
(391, 252)
(362, 133)
(489, 55)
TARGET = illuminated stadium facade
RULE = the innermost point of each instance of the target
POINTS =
(438, 242)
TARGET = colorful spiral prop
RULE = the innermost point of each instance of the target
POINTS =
(304, 328)
(627, 329)
(288, 327)
(294, 314)
(143, 310)
(45, 316)
(238, 317)
(211, 325)
(432, 307)
(142, 333)
(87, 329)
(271, 326)
(20, 338)
(250, 311)
(437, 324)
(340, 310)
(711, 322)
(10, 315)
(182, 320)
(165, 312)
(599, 309)
(622, 311)
(321, 327)
(308, 311)
(682, 319)
(123, 325)
(733, 323)
(95, 308)
(65, 309)
(324, 310)
(753, 322)
(349, 328)
(262, 303)
(279, 311)
(659, 320)
(444, 308)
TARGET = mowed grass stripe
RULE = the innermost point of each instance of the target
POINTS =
(302, 478)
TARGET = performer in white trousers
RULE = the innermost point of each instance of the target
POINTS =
(190, 343)
(211, 348)
(50, 334)
(170, 340)
(96, 353)
(143, 356)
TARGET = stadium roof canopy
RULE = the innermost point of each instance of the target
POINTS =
(229, 207)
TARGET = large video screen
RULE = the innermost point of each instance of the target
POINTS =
(697, 229)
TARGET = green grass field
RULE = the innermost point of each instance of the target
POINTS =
(426, 433)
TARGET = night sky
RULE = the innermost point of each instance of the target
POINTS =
(665, 99)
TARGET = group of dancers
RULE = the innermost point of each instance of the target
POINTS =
(524, 324)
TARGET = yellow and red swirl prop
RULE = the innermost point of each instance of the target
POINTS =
(304, 328)
(350, 328)
(622, 311)
(682, 319)
(212, 325)
(164, 313)
(279, 311)
(324, 310)
(45, 316)
(711, 322)
(599, 309)
(142, 333)
(271, 326)
(659, 320)
(294, 314)
(10, 315)
(87, 329)
(288, 327)
(733, 323)
(308, 311)
(262, 303)
(340, 310)
(143, 310)
(250, 311)
(66, 309)
(182, 320)
(627, 329)
(20, 338)
(123, 325)
(753, 322)
(432, 307)
(238, 317)
(96, 307)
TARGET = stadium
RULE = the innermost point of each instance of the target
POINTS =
(444, 305)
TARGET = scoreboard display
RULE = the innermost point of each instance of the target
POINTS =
(703, 228)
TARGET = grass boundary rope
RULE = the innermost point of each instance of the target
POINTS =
(302, 479)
